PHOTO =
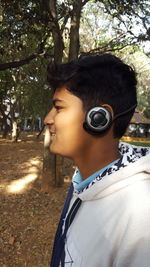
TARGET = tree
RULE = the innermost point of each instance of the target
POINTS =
(35, 32)
(141, 63)
(52, 165)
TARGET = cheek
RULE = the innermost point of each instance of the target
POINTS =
(74, 139)
(69, 123)
(69, 129)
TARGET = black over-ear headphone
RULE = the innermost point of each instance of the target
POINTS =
(99, 119)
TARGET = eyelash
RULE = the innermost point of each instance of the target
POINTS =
(58, 108)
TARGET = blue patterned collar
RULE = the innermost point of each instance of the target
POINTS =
(80, 184)
(130, 153)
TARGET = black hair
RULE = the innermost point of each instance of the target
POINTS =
(97, 80)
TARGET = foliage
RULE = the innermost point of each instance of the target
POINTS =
(97, 27)
(141, 63)
(131, 15)
(33, 32)
(23, 31)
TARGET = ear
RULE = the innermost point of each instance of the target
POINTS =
(109, 108)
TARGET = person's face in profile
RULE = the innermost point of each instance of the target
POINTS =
(65, 121)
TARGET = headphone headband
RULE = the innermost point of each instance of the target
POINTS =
(125, 112)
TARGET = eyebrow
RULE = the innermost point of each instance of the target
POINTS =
(56, 100)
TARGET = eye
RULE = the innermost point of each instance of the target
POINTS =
(58, 108)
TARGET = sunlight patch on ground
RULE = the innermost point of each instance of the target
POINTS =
(67, 179)
(21, 185)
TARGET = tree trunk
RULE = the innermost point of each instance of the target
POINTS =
(52, 166)
(14, 131)
(5, 129)
(74, 31)
(59, 178)
(5, 126)
(56, 32)
(58, 45)
(49, 172)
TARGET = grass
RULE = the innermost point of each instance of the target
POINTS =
(135, 143)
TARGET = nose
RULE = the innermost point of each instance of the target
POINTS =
(49, 119)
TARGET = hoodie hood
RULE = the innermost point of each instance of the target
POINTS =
(133, 166)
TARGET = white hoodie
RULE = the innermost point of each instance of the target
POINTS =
(112, 225)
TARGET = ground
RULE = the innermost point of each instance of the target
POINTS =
(28, 216)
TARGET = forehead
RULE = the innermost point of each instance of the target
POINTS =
(62, 94)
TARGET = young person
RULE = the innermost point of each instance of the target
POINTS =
(106, 217)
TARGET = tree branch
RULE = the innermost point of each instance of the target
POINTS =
(84, 2)
(102, 49)
(19, 63)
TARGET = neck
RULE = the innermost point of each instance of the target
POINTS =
(97, 158)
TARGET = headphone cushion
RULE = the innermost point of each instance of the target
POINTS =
(97, 120)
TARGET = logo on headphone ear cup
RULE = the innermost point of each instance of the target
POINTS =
(97, 120)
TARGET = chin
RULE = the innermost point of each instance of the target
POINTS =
(58, 152)
(55, 150)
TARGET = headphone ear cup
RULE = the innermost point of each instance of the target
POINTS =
(97, 120)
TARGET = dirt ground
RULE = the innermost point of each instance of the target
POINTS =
(28, 216)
